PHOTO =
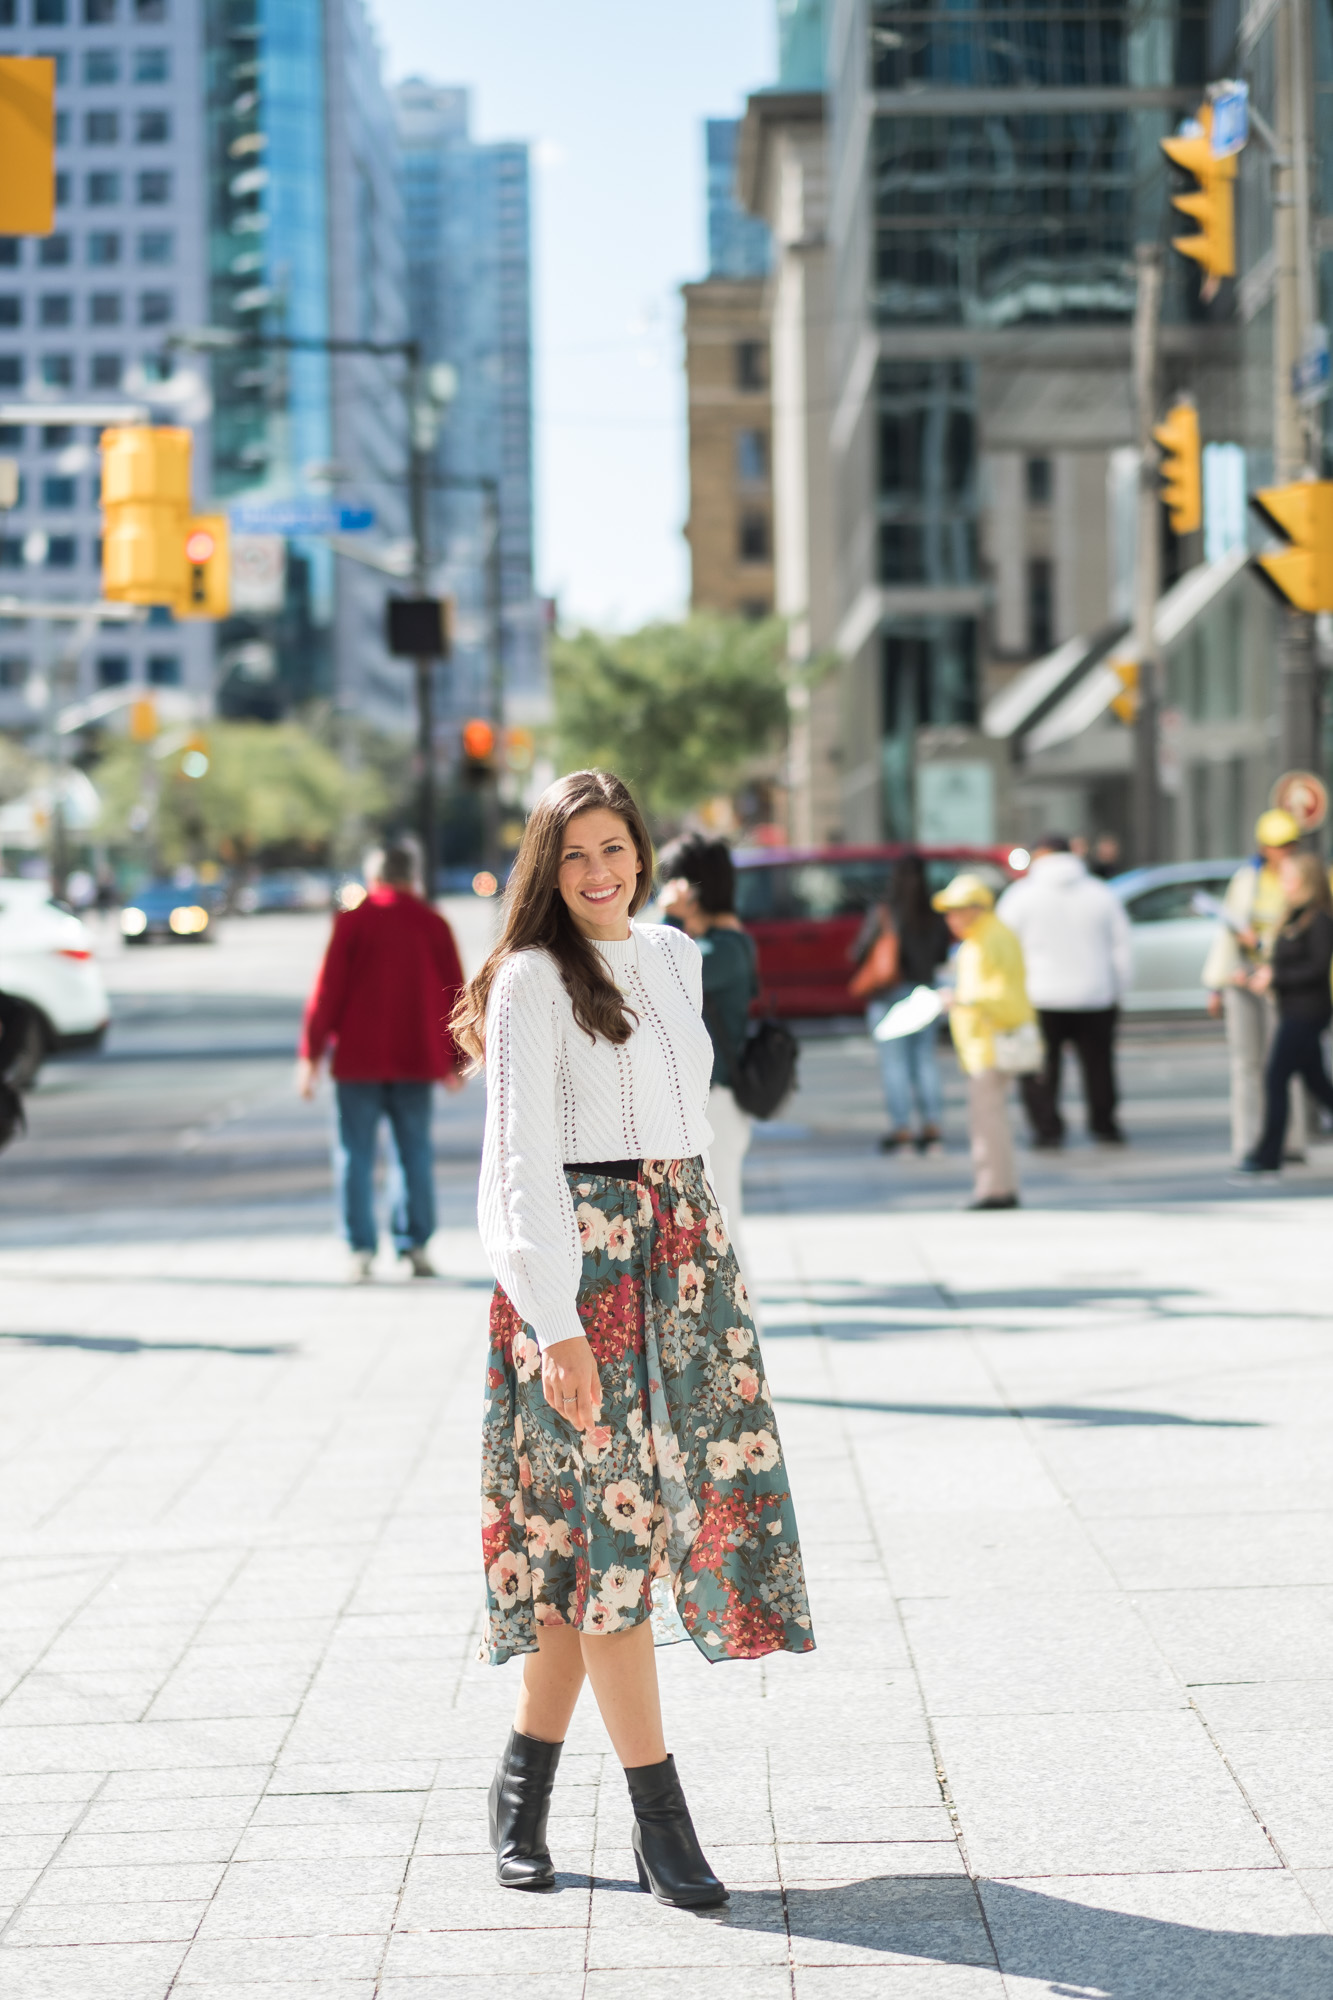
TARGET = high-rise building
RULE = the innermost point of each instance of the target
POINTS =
(739, 245)
(82, 316)
(467, 206)
(304, 236)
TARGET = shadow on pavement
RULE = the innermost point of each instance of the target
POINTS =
(128, 1343)
(1088, 1416)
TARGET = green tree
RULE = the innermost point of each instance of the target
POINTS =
(680, 711)
(267, 786)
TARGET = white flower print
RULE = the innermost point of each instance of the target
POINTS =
(741, 1296)
(634, 1423)
(670, 1463)
(684, 1215)
(691, 1282)
(548, 1614)
(645, 1208)
(593, 1227)
(625, 1508)
(509, 1577)
(538, 1537)
(621, 1588)
(724, 1458)
(595, 1441)
(527, 1357)
(557, 1538)
(744, 1381)
(759, 1449)
(620, 1238)
(715, 1231)
(601, 1617)
(739, 1339)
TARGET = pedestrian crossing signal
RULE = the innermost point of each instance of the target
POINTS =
(208, 561)
(1303, 512)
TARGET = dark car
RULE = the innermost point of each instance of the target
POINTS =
(804, 906)
(180, 915)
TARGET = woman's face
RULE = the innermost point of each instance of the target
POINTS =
(1291, 880)
(599, 871)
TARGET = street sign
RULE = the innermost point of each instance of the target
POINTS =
(1231, 118)
(1304, 796)
(1310, 375)
(300, 517)
(258, 573)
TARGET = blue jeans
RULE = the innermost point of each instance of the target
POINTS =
(907, 1067)
(407, 1106)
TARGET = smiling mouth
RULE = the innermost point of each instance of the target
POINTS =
(600, 895)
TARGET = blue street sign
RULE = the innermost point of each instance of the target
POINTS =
(1310, 375)
(1231, 119)
(299, 517)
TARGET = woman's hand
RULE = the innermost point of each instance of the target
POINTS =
(570, 1382)
(307, 1076)
(1261, 979)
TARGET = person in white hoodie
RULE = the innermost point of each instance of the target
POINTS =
(1076, 948)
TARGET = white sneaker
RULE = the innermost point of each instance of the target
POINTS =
(419, 1259)
(360, 1267)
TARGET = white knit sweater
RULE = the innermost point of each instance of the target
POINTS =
(553, 1095)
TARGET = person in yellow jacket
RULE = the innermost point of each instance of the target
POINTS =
(989, 998)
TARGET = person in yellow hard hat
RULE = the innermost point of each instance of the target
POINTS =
(1255, 910)
(988, 1000)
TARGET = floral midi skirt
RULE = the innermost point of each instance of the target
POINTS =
(675, 1506)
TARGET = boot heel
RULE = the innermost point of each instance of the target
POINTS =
(520, 1800)
(644, 1883)
(667, 1853)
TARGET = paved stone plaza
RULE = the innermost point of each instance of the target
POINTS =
(1065, 1480)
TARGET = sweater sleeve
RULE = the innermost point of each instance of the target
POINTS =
(524, 1209)
(325, 1006)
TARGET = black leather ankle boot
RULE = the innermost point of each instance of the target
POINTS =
(666, 1848)
(520, 1802)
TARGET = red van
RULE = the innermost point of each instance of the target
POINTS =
(803, 907)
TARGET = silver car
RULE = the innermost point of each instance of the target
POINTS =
(1172, 931)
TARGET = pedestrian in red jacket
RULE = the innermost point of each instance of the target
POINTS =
(382, 1001)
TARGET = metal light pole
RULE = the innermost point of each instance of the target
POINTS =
(1147, 789)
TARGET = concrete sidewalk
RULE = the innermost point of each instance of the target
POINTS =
(1065, 1481)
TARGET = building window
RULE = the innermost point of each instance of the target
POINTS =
(59, 491)
(152, 65)
(104, 309)
(56, 437)
(11, 551)
(154, 189)
(150, 10)
(9, 251)
(101, 128)
(106, 371)
(902, 552)
(164, 670)
(60, 57)
(1041, 601)
(11, 309)
(14, 670)
(113, 670)
(156, 246)
(62, 552)
(755, 608)
(103, 190)
(751, 457)
(8, 13)
(154, 308)
(62, 190)
(58, 371)
(55, 309)
(11, 437)
(1039, 482)
(53, 250)
(104, 247)
(49, 14)
(11, 371)
(152, 128)
(752, 542)
(751, 372)
(62, 128)
(97, 13)
(101, 66)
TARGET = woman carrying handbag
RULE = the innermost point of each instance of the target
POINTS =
(632, 1472)
(901, 943)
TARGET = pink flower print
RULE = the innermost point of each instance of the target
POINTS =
(621, 1588)
(759, 1449)
(625, 1508)
(620, 1238)
(595, 1441)
(690, 1280)
(527, 1357)
(524, 1471)
(601, 1617)
(592, 1227)
(557, 1538)
(724, 1458)
(715, 1231)
(741, 1296)
(744, 1381)
(645, 1208)
(509, 1578)
(547, 1614)
(739, 1340)
(684, 1215)
(538, 1536)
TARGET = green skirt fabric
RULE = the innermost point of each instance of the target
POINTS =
(675, 1506)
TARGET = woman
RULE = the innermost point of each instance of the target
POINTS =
(1297, 974)
(917, 943)
(700, 896)
(989, 997)
(631, 1464)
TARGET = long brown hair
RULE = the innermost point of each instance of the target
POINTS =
(536, 917)
(1314, 890)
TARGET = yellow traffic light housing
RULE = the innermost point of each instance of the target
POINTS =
(1126, 703)
(1213, 207)
(143, 719)
(1182, 467)
(1303, 512)
(27, 145)
(145, 507)
(208, 567)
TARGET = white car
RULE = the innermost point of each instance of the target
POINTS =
(1171, 933)
(52, 999)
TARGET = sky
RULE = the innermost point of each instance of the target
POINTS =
(612, 95)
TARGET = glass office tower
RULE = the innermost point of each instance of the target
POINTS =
(739, 245)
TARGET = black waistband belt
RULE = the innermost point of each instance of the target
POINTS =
(614, 1170)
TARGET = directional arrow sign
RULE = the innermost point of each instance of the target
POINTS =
(1303, 512)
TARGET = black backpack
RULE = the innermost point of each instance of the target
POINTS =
(12, 1120)
(763, 1074)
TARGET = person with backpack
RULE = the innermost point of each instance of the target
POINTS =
(699, 898)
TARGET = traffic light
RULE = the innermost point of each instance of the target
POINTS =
(143, 719)
(478, 751)
(1213, 207)
(1303, 512)
(145, 507)
(27, 145)
(208, 566)
(1182, 467)
(1126, 703)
